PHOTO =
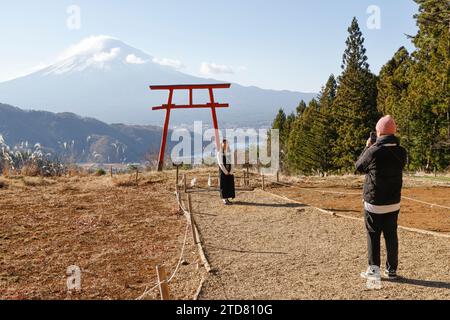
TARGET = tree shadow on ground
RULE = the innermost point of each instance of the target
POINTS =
(422, 283)
(270, 205)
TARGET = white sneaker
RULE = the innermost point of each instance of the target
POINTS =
(372, 271)
(373, 277)
(391, 275)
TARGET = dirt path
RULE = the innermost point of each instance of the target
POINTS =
(265, 248)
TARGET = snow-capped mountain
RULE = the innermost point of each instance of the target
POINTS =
(104, 78)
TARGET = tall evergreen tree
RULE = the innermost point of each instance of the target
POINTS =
(301, 108)
(324, 127)
(302, 153)
(355, 105)
(414, 88)
(280, 123)
(393, 91)
(429, 92)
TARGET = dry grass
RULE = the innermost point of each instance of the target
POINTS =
(37, 182)
(125, 181)
(3, 184)
(117, 230)
(115, 235)
(31, 170)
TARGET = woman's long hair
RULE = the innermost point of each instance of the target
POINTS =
(222, 146)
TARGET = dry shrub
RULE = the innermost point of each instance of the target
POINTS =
(151, 182)
(124, 181)
(3, 184)
(40, 182)
(100, 173)
(30, 170)
(75, 171)
(6, 171)
(67, 188)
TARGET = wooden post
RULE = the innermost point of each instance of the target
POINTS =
(185, 183)
(191, 218)
(263, 182)
(194, 233)
(189, 203)
(179, 199)
(177, 167)
(137, 175)
(248, 176)
(111, 171)
(278, 176)
(163, 284)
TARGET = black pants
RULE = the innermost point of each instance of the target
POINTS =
(227, 187)
(386, 224)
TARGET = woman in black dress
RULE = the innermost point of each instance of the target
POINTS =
(227, 189)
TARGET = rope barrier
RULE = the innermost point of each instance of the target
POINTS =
(186, 212)
(427, 203)
(180, 260)
(432, 205)
(316, 190)
(435, 234)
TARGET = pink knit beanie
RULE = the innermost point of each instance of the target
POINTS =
(387, 126)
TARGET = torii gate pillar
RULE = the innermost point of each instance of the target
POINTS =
(170, 106)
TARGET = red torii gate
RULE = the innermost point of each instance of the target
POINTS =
(170, 106)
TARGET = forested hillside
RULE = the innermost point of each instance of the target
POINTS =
(329, 133)
(76, 139)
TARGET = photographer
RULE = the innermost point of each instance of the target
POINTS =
(383, 161)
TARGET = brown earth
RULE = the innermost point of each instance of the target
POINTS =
(117, 231)
(263, 247)
(116, 235)
(413, 214)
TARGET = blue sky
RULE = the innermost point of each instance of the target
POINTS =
(284, 44)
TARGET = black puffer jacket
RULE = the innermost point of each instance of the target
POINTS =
(383, 164)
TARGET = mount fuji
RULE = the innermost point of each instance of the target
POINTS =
(104, 78)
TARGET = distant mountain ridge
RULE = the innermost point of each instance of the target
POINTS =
(104, 78)
(78, 139)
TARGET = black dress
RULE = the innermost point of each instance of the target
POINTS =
(227, 188)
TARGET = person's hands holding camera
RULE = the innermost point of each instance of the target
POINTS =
(372, 139)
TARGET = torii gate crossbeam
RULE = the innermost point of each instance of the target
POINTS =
(170, 106)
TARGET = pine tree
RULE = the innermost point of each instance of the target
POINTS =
(302, 153)
(355, 105)
(429, 92)
(301, 108)
(280, 124)
(393, 91)
(324, 127)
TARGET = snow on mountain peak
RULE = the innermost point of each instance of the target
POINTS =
(92, 45)
(99, 52)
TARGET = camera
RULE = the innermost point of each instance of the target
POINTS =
(373, 137)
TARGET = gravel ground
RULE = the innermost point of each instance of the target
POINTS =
(265, 248)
